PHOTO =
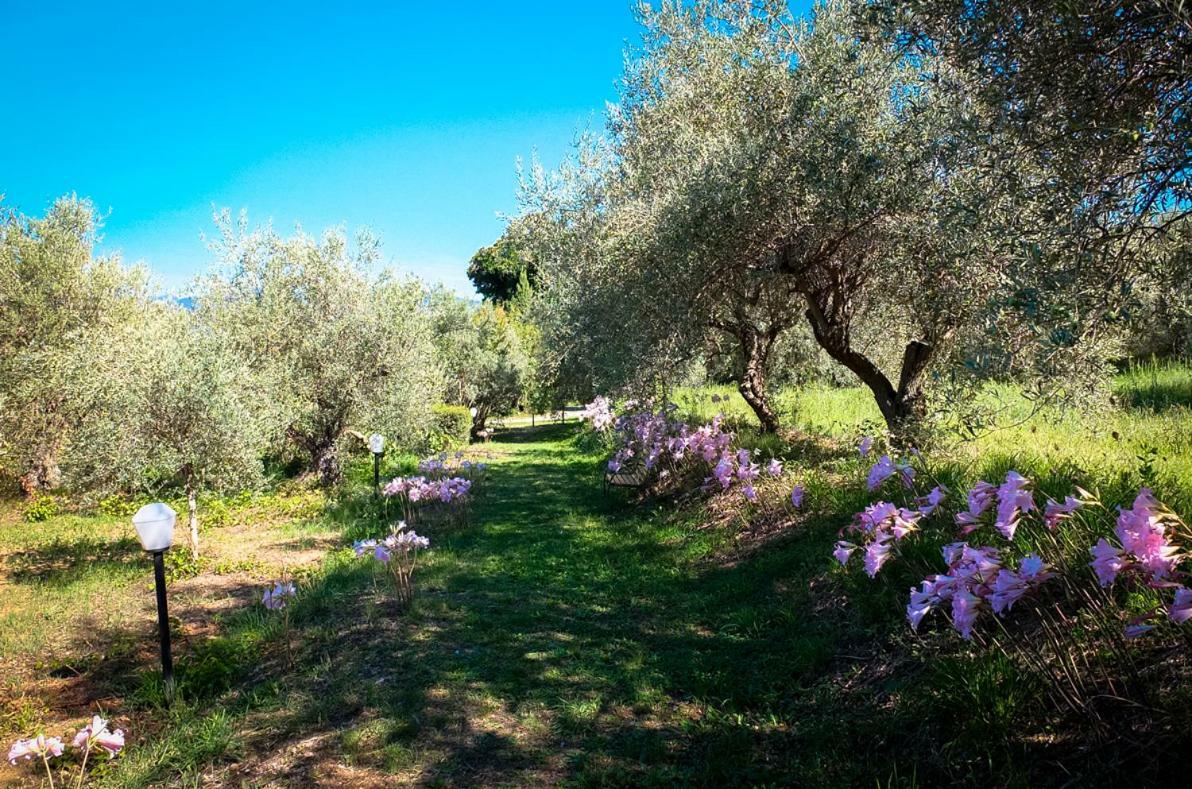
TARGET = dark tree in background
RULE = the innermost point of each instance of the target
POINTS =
(502, 271)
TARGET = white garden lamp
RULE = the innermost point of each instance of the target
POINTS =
(155, 526)
(376, 445)
(155, 529)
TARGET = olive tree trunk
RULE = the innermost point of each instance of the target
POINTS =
(756, 347)
(192, 516)
(904, 408)
(43, 473)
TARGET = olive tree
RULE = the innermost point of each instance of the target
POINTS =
(173, 405)
(54, 295)
(340, 345)
(482, 355)
(753, 146)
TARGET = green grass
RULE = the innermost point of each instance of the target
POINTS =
(569, 636)
(1143, 439)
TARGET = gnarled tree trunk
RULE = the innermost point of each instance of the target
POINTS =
(756, 347)
(903, 408)
(322, 445)
(43, 473)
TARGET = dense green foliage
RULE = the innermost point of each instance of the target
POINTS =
(767, 172)
(452, 426)
(503, 273)
(339, 344)
(57, 301)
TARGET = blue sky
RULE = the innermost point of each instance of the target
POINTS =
(405, 117)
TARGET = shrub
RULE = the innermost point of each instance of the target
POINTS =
(41, 508)
(450, 426)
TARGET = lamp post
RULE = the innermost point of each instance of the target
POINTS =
(376, 445)
(155, 529)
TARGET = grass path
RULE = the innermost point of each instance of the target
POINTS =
(564, 636)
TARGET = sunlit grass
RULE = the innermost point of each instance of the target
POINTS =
(566, 635)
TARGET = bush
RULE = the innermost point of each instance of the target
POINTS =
(451, 426)
(40, 508)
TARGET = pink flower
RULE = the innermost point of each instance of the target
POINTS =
(953, 551)
(979, 499)
(877, 516)
(882, 470)
(1008, 587)
(979, 564)
(22, 749)
(1141, 532)
(843, 551)
(274, 599)
(1055, 512)
(1107, 561)
(41, 745)
(1032, 568)
(797, 496)
(723, 472)
(964, 612)
(931, 502)
(922, 601)
(1013, 499)
(96, 733)
(905, 521)
(876, 555)
(1180, 610)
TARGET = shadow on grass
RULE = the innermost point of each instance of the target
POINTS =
(561, 637)
(60, 561)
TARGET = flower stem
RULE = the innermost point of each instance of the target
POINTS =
(45, 759)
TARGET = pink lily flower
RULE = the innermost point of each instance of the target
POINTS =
(843, 551)
(1054, 512)
(882, 470)
(1180, 610)
(1107, 561)
(964, 612)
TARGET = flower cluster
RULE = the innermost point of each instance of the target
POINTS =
(1144, 551)
(657, 440)
(879, 526)
(976, 577)
(740, 467)
(95, 736)
(651, 438)
(445, 466)
(599, 412)
(1013, 499)
(980, 577)
(423, 490)
(418, 489)
(399, 554)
